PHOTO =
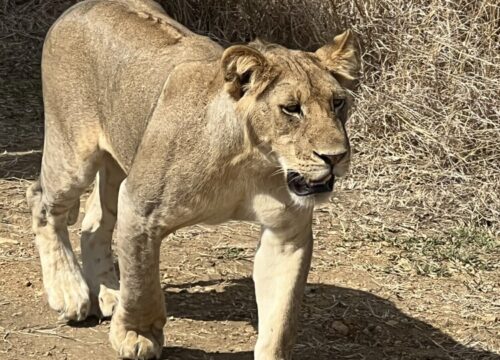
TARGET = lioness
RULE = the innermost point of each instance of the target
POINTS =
(176, 131)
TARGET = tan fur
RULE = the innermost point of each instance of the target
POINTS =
(180, 132)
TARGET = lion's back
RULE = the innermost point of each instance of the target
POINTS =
(113, 57)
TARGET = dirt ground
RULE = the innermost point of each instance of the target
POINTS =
(368, 297)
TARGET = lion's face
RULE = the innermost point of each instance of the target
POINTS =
(296, 105)
(302, 117)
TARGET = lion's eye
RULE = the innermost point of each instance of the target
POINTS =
(292, 109)
(338, 104)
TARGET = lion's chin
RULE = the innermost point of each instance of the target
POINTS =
(322, 198)
(313, 200)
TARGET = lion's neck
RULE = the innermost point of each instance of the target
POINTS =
(225, 131)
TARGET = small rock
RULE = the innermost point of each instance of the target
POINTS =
(27, 283)
(370, 329)
(310, 290)
(340, 327)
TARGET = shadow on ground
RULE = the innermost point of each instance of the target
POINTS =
(20, 165)
(337, 323)
(177, 353)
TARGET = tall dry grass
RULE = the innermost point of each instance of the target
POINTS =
(426, 130)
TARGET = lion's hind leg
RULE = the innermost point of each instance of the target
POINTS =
(97, 232)
(52, 198)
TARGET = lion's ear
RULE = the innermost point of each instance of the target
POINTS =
(342, 58)
(242, 67)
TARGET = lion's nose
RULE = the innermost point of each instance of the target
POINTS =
(332, 159)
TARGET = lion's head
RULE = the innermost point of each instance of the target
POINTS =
(296, 105)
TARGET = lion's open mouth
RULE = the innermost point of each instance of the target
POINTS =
(300, 187)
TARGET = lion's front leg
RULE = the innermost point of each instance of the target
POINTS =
(280, 273)
(137, 324)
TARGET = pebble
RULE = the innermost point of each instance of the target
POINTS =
(340, 327)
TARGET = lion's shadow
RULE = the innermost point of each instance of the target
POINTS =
(337, 323)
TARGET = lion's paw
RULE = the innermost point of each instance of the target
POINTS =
(68, 294)
(108, 300)
(134, 344)
(137, 346)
